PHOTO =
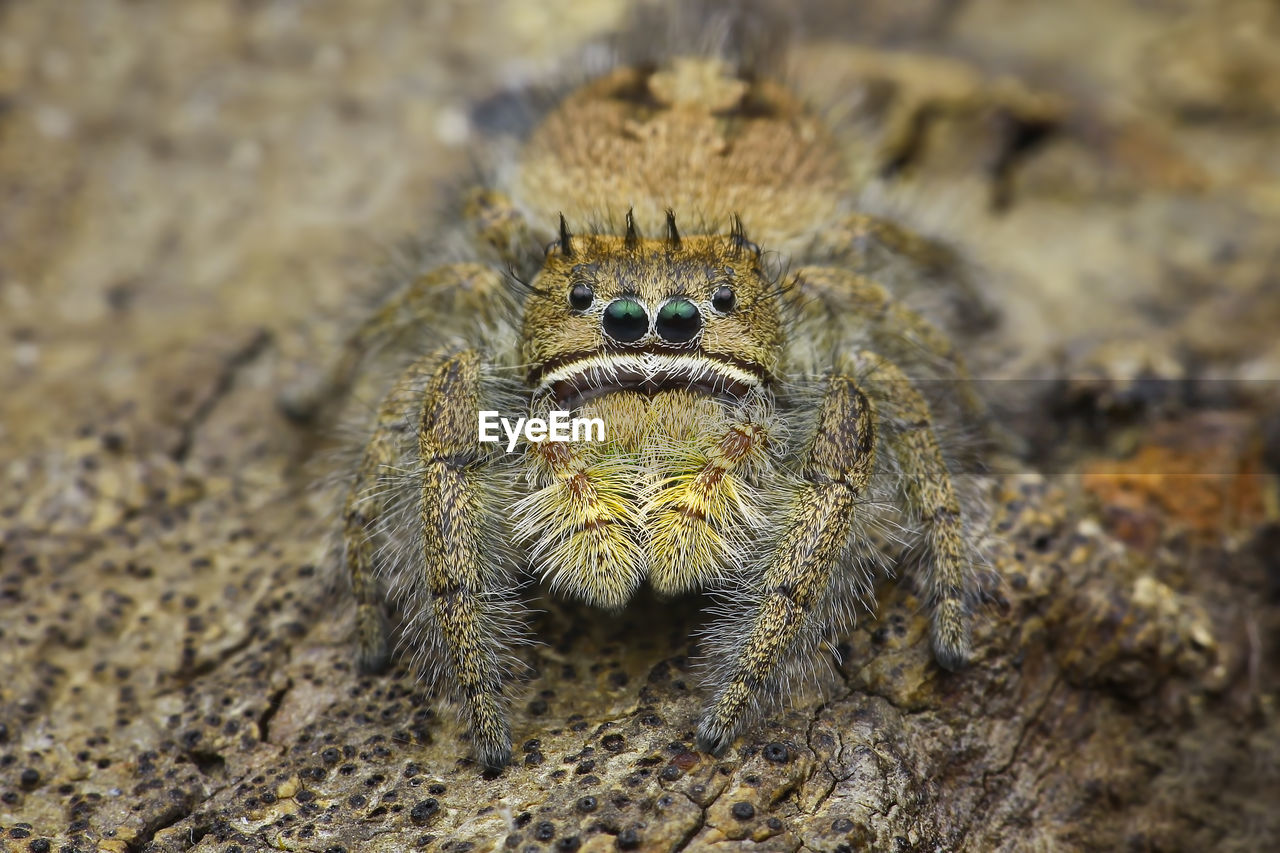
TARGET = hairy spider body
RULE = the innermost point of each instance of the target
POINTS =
(763, 429)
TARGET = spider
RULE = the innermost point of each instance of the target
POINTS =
(768, 435)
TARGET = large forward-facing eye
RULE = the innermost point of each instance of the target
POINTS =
(580, 297)
(625, 320)
(678, 321)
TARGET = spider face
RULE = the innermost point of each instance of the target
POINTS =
(612, 313)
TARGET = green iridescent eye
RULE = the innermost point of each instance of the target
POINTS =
(625, 320)
(678, 321)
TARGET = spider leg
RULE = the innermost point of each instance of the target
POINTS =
(949, 581)
(799, 570)
(906, 262)
(457, 562)
(454, 290)
(452, 586)
(366, 505)
(500, 224)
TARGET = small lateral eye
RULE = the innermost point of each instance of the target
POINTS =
(723, 299)
(580, 297)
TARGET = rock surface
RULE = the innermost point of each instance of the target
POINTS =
(190, 195)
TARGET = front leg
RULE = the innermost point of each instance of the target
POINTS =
(460, 571)
(455, 588)
(367, 506)
(797, 575)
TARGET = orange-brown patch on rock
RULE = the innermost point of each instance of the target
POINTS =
(1203, 473)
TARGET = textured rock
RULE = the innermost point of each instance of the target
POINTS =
(190, 195)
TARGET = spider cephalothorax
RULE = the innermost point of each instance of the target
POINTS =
(613, 313)
(760, 426)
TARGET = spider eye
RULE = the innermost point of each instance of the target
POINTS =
(625, 320)
(723, 299)
(580, 297)
(678, 321)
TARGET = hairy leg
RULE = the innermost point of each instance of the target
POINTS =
(458, 564)
(436, 399)
(906, 262)
(800, 569)
(498, 223)
(365, 506)
(950, 581)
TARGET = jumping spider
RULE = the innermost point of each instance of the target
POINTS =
(767, 435)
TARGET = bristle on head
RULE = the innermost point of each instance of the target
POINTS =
(738, 235)
(632, 236)
(566, 239)
(673, 234)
